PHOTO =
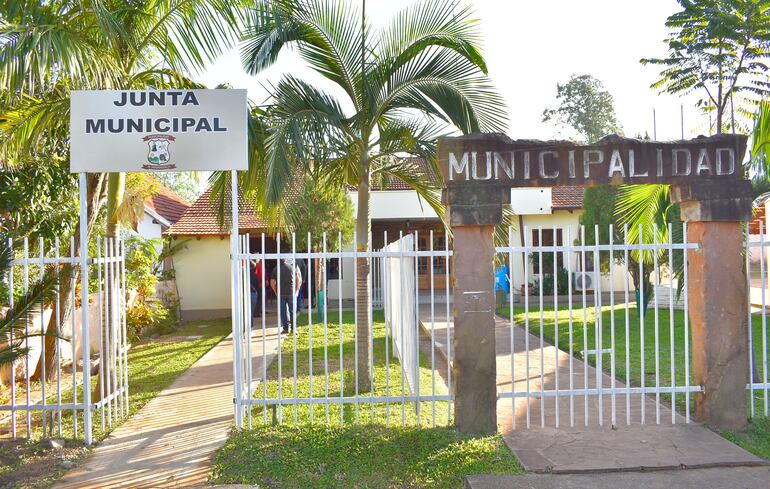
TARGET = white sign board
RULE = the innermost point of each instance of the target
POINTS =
(158, 130)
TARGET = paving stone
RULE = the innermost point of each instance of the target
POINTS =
(170, 442)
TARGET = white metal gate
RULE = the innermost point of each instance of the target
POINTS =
(312, 376)
(92, 337)
(582, 352)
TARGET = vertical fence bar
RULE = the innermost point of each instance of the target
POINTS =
(355, 314)
(309, 319)
(556, 323)
(263, 275)
(764, 315)
(585, 323)
(570, 266)
(385, 275)
(26, 340)
(641, 303)
(234, 287)
(657, 326)
(510, 319)
(370, 259)
(87, 426)
(279, 319)
(528, 247)
(249, 309)
(326, 333)
(448, 318)
(432, 337)
(613, 386)
(294, 329)
(402, 348)
(74, 338)
(598, 327)
(124, 343)
(417, 327)
(685, 259)
(626, 273)
(42, 360)
(101, 298)
(339, 318)
(10, 339)
(540, 297)
(58, 334)
(672, 337)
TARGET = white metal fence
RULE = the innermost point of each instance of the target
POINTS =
(757, 273)
(313, 375)
(92, 337)
(582, 354)
(574, 346)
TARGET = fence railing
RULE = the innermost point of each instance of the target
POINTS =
(314, 373)
(38, 401)
(588, 334)
(757, 275)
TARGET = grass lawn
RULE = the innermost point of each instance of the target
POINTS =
(756, 439)
(384, 449)
(153, 365)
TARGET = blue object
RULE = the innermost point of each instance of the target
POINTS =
(502, 282)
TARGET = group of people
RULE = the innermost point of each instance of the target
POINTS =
(285, 280)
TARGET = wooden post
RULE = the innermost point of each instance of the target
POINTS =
(718, 297)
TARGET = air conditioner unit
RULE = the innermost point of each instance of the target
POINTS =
(584, 281)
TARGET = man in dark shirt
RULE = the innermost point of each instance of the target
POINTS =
(286, 282)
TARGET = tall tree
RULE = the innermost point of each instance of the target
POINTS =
(186, 184)
(49, 48)
(717, 49)
(584, 106)
(404, 84)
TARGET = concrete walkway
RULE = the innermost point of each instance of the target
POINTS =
(580, 443)
(171, 441)
(715, 478)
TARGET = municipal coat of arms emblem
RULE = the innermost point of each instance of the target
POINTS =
(158, 152)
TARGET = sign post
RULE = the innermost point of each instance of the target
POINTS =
(156, 130)
(480, 169)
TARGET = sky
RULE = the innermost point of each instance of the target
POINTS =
(530, 46)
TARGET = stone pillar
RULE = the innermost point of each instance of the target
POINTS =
(718, 297)
(474, 210)
(474, 366)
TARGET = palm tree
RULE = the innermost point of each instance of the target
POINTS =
(404, 84)
(50, 48)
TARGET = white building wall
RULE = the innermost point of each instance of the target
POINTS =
(149, 229)
(203, 278)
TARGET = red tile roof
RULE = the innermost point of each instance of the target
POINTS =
(167, 204)
(201, 218)
(567, 198)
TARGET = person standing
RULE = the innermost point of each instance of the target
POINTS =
(258, 279)
(288, 277)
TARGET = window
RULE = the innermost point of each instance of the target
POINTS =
(548, 240)
(333, 269)
(439, 262)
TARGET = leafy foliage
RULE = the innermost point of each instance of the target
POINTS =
(586, 107)
(185, 184)
(405, 83)
(719, 49)
(147, 312)
(321, 209)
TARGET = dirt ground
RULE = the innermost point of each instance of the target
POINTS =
(34, 464)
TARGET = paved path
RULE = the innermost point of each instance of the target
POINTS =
(715, 478)
(171, 441)
(580, 442)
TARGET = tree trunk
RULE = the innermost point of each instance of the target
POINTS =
(363, 287)
(65, 307)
